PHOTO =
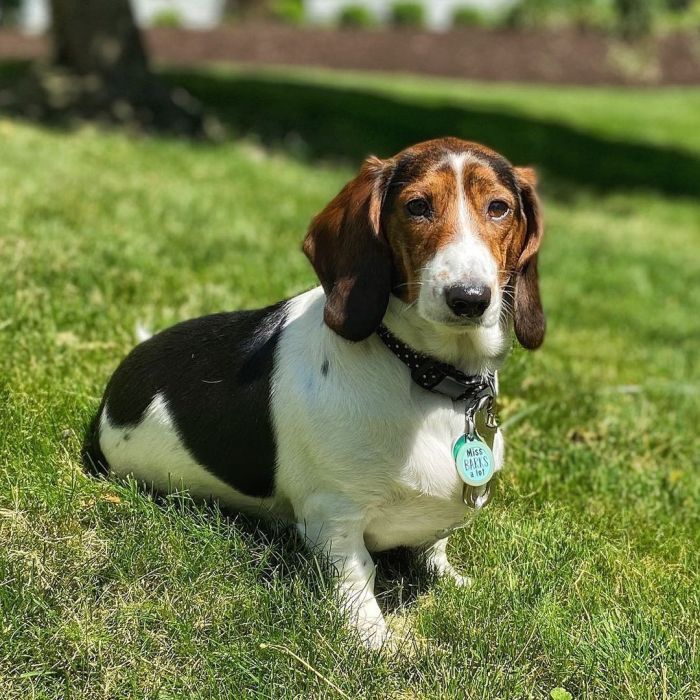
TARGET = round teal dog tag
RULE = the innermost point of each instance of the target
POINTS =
(474, 460)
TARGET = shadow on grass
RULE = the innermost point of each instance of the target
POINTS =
(323, 122)
(281, 553)
(11, 71)
(402, 575)
(320, 122)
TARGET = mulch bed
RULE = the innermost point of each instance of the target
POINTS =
(563, 57)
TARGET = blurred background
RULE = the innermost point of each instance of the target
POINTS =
(573, 42)
(161, 159)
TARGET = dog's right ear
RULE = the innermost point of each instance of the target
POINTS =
(351, 257)
(529, 319)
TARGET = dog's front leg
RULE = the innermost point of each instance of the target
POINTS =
(436, 560)
(341, 541)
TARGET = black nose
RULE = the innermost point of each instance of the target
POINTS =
(470, 302)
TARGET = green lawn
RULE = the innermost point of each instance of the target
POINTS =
(586, 564)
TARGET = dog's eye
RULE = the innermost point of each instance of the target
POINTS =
(418, 207)
(498, 209)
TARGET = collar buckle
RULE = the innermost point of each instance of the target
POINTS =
(441, 379)
(431, 375)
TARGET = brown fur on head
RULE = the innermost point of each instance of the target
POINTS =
(374, 238)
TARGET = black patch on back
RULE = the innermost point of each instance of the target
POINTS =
(215, 374)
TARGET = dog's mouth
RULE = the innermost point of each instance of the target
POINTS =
(455, 323)
(456, 327)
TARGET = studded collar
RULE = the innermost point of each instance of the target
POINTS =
(439, 377)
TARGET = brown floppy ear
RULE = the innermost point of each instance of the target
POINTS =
(528, 315)
(350, 255)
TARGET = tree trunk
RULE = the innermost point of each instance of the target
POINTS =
(99, 71)
(97, 37)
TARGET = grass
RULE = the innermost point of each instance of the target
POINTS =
(586, 564)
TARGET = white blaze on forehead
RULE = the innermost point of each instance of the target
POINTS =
(465, 260)
(457, 161)
(472, 256)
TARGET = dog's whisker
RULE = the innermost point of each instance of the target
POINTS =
(409, 306)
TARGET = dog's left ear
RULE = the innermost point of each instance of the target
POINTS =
(528, 316)
(351, 257)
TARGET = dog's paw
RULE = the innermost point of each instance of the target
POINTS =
(444, 570)
(457, 578)
(375, 634)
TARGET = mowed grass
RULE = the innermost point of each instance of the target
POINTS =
(586, 563)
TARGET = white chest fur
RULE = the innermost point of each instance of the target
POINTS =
(358, 440)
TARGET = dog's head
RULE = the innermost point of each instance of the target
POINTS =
(448, 226)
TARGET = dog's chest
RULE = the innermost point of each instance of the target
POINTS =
(362, 435)
(423, 497)
(414, 521)
(388, 450)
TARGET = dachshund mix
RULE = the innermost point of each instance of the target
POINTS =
(337, 410)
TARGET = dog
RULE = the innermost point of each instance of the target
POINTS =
(337, 410)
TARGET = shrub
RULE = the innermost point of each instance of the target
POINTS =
(680, 15)
(469, 17)
(356, 16)
(678, 5)
(596, 14)
(693, 15)
(289, 11)
(635, 18)
(9, 12)
(408, 14)
(167, 18)
(529, 14)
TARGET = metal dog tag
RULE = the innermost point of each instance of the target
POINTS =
(476, 467)
(474, 460)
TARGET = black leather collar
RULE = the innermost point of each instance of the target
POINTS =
(439, 377)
